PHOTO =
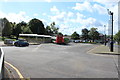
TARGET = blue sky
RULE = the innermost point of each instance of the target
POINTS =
(68, 16)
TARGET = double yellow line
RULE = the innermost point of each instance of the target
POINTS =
(18, 72)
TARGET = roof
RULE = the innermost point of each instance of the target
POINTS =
(36, 35)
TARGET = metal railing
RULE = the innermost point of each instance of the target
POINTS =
(1, 64)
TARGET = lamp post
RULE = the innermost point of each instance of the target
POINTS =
(105, 35)
(111, 14)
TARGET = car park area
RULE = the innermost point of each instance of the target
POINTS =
(60, 61)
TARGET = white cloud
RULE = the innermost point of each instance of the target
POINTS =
(80, 15)
(87, 22)
(15, 17)
(85, 6)
(66, 29)
(62, 27)
(6, 0)
(64, 19)
(35, 14)
(26, 0)
(48, 0)
(70, 14)
(44, 22)
(58, 17)
(100, 1)
(84, 21)
(54, 9)
(112, 5)
(44, 0)
(73, 29)
(2, 15)
(107, 2)
(44, 14)
(100, 9)
(115, 17)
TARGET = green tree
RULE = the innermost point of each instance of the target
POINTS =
(85, 34)
(17, 30)
(75, 35)
(1, 26)
(36, 26)
(117, 37)
(94, 34)
(25, 29)
(13, 25)
(7, 28)
(21, 27)
(51, 30)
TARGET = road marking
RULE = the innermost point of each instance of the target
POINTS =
(18, 72)
(93, 49)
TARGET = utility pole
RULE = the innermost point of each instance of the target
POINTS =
(111, 47)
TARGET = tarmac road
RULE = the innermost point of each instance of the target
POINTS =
(60, 61)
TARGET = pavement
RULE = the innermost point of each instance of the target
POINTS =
(104, 50)
(1, 43)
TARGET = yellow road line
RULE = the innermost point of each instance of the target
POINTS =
(18, 72)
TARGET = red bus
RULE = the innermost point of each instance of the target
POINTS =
(59, 39)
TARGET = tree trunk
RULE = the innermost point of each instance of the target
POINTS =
(118, 43)
(17, 37)
(93, 40)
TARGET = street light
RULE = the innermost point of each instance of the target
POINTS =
(111, 14)
(105, 35)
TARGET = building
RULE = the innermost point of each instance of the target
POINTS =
(35, 38)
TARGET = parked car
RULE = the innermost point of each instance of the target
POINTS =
(8, 42)
(21, 43)
(76, 41)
